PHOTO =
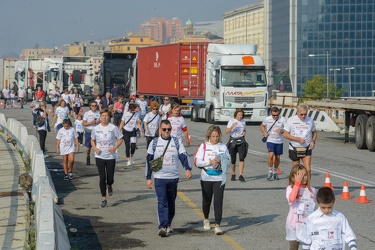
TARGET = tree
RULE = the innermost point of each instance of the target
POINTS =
(316, 88)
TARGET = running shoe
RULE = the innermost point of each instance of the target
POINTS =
(233, 177)
(103, 204)
(70, 174)
(110, 190)
(66, 178)
(129, 163)
(132, 161)
(240, 178)
(269, 177)
(206, 225)
(169, 230)
(162, 232)
(276, 176)
(218, 230)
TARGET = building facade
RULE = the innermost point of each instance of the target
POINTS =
(162, 30)
(131, 43)
(39, 53)
(333, 38)
(245, 25)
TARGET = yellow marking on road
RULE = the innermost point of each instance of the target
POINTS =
(198, 211)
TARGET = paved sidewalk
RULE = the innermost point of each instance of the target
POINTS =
(13, 204)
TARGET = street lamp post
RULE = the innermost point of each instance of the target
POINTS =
(350, 80)
(327, 55)
(334, 77)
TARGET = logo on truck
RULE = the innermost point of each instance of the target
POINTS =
(240, 93)
(156, 63)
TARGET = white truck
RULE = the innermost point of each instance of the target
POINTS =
(7, 70)
(235, 78)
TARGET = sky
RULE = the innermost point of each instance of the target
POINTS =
(45, 24)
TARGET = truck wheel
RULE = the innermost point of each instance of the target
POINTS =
(360, 131)
(370, 133)
(210, 117)
(194, 114)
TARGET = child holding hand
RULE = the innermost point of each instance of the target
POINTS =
(301, 200)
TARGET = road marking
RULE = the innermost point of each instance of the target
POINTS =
(231, 242)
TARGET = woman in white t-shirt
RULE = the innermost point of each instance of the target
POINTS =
(236, 127)
(62, 111)
(77, 103)
(105, 139)
(66, 138)
(178, 124)
(129, 123)
(151, 122)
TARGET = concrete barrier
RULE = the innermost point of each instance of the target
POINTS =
(50, 227)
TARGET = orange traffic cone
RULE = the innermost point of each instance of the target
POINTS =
(278, 171)
(362, 196)
(327, 182)
(345, 192)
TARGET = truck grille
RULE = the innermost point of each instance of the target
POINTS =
(242, 99)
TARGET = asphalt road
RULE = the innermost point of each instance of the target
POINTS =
(254, 212)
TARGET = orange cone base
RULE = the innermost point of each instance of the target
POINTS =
(278, 171)
(345, 196)
(362, 200)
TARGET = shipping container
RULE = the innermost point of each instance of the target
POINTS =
(174, 70)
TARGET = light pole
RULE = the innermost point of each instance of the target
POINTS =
(327, 55)
(334, 77)
(350, 80)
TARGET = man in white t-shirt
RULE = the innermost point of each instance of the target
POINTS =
(300, 130)
(21, 96)
(165, 108)
(90, 119)
(273, 128)
(6, 96)
(54, 95)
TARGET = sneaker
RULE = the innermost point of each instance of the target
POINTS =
(132, 161)
(218, 230)
(110, 190)
(169, 230)
(103, 204)
(129, 163)
(45, 155)
(276, 176)
(81, 145)
(206, 225)
(162, 232)
(66, 178)
(269, 177)
(70, 174)
(88, 160)
(240, 178)
(233, 177)
(136, 147)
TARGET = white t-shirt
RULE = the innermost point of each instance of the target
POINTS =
(77, 101)
(239, 129)
(165, 109)
(66, 137)
(12, 96)
(6, 93)
(78, 125)
(106, 137)
(297, 127)
(21, 93)
(203, 157)
(178, 126)
(71, 97)
(273, 136)
(153, 125)
(90, 116)
(132, 122)
(142, 106)
(66, 98)
(36, 106)
(62, 112)
(54, 95)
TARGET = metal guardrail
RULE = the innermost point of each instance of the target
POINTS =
(50, 227)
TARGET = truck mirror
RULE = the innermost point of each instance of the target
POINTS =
(214, 73)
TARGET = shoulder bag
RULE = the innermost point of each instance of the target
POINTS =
(157, 164)
(264, 139)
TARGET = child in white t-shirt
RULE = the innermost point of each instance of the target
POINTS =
(65, 140)
(79, 128)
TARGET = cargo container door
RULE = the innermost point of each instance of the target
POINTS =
(192, 71)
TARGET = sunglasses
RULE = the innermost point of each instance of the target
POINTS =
(303, 114)
(166, 129)
(154, 109)
(275, 115)
(92, 105)
(166, 99)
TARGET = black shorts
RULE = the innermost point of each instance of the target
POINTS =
(54, 103)
(293, 154)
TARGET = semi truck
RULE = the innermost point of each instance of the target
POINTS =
(358, 113)
(7, 70)
(210, 81)
(115, 69)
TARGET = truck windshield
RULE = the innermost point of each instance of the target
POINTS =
(53, 75)
(243, 78)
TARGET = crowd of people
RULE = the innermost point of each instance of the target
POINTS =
(165, 129)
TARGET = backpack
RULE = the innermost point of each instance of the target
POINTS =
(195, 154)
(39, 119)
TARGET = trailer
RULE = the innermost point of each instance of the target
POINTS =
(7, 70)
(359, 113)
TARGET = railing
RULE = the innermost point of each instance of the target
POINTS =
(49, 223)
